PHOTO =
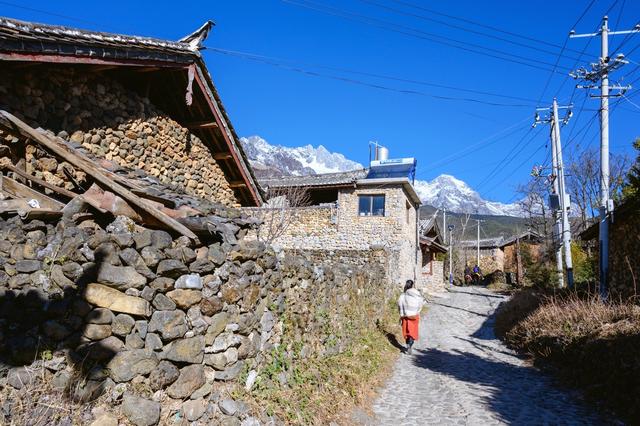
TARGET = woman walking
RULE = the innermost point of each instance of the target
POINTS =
(410, 303)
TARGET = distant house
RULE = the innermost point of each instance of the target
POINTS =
(431, 245)
(504, 254)
(624, 248)
(356, 214)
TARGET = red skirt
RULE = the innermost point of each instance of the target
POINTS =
(410, 326)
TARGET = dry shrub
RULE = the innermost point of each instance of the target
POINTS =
(519, 307)
(40, 403)
(593, 345)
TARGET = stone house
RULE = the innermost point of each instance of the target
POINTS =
(624, 246)
(503, 254)
(432, 248)
(132, 102)
(353, 213)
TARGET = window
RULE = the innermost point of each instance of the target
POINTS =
(371, 205)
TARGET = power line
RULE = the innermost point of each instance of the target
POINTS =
(368, 84)
(412, 32)
(516, 169)
(484, 34)
(57, 15)
(564, 46)
(524, 37)
(262, 58)
(482, 144)
(509, 157)
(505, 159)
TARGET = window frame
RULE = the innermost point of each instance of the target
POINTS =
(370, 212)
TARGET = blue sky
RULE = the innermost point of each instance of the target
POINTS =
(304, 99)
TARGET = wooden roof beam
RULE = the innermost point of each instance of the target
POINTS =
(237, 184)
(222, 156)
(201, 125)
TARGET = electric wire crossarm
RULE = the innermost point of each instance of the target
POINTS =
(600, 72)
(562, 232)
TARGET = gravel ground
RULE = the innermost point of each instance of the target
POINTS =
(461, 374)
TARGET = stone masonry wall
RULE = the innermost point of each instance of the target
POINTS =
(624, 249)
(433, 280)
(158, 325)
(112, 123)
(339, 227)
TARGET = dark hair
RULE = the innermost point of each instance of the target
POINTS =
(408, 285)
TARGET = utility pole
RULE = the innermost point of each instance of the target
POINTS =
(450, 256)
(564, 199)
(444, 224)
(478, 242)
(561, 229)
(478, 246)
(600, 72)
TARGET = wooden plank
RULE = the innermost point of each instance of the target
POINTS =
(237, 184)
(18, 190)
(60, 149)
(43, 183)
(222, 156)
(158, 199)
(201, 125)
(22, 207)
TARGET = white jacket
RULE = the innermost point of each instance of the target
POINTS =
(410, 303)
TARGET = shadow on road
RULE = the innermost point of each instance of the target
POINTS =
(459, 309)
(472, 293)
(515, 394)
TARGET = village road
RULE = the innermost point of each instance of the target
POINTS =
(460, 374)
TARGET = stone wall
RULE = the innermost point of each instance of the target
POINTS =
(491, 259)
(432, 278)
(112, 123)
(339, 227)
(157, 325)
(624, 251)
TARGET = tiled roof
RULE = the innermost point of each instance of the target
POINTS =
(20, 40)
(30, 36)
(322, 180)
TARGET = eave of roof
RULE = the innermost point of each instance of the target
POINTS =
(26, 41)
(384, 182)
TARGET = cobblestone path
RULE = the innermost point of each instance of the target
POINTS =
(460, 374)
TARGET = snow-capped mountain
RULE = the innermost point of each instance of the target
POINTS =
(275, 160)
(445, 191)
(455, 195)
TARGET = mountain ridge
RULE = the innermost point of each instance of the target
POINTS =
(444, 192)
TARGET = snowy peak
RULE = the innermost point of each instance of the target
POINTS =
(445, 191)
(276, 160)
(448, 192)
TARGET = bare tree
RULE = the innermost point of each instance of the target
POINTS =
(281, 210)
(583, 181)
(535, 194)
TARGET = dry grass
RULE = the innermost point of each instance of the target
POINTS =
(40, 403)
(324, 389)
(592, 345)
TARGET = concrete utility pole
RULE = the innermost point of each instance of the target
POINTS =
(561, 229)
(444, 224)
(600, 72)
(450, 256)
(564, 198)
(478, 246)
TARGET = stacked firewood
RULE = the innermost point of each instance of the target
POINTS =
(111, 123)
